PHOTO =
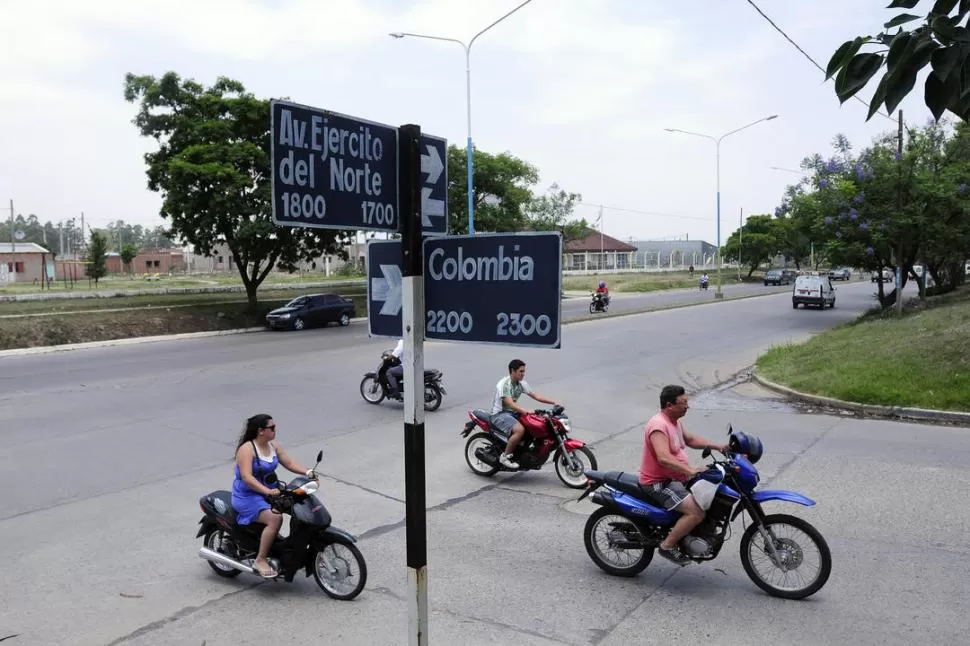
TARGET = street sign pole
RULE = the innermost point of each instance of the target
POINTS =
(412, 284)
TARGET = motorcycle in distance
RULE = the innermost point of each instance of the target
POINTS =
(374, 387)
(703, 283)
(598, 304)
(313, 544)
(776, 549)
(545, 430)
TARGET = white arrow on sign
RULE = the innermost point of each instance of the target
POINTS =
(388, 289)
(432, 164)
(429, 207)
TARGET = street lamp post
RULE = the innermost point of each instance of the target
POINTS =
(468, 102)
(717, 142)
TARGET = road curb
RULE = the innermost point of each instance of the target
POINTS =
(875, 410)
(134, 340)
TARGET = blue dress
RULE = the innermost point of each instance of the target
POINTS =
(248, 503)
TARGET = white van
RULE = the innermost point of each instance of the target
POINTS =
(813, 290)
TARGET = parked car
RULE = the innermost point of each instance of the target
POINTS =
(840, 273)
(779, 277)
(885, 276)
(310, 310)
(813, 290)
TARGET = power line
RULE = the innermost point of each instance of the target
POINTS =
(639, 212)
(805, 54)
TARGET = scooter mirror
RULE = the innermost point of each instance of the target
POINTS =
(319, 457)
(730, 429)
(706, 453)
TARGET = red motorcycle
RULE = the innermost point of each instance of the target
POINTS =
(545, 431)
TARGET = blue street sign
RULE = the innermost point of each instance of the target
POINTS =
(332, 171)
(384, 297)
(434, 185)
(502, 288)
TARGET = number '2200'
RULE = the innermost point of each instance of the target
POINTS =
(515, 324)
(442, 321)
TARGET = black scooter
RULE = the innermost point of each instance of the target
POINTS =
(313, 544)
(374, 387)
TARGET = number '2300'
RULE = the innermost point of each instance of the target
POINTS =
(515, 324)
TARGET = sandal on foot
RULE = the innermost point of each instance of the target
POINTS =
(271, 575)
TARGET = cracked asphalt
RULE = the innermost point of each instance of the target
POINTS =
(106, 452)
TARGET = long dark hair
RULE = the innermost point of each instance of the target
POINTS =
(251, 429)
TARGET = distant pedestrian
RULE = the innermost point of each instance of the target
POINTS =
(691, 270)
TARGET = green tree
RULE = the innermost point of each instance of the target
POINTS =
(881, 209)
(128, 252)
(756, 244)
(213, 170)
(501, 191)
(553, 211)
(95, 266)
(942, 41)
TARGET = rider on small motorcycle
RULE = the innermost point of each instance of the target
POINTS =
(257, 456)
(505, 408)
(605, 291)
(396, 372)
(704, 280)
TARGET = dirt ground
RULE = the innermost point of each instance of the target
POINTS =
(25, 332)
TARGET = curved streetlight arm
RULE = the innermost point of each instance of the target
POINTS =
(753, 123)
(688, 132)
(472, 41)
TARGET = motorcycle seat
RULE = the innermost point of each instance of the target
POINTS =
(432, 373)
(627, 483)
(483, 415)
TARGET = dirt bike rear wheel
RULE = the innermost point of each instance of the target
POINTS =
(603, 529)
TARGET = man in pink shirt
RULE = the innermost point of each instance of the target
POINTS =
(665, 469)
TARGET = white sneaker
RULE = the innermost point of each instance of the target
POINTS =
(507, 462)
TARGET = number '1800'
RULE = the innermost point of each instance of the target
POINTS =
(516, 324)
(296, 205)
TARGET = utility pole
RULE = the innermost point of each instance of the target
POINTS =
(83, 241)
(899, 206)
(741, 240)
(13, 239)
(602, 259)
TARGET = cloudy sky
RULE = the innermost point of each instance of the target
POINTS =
(583, 89)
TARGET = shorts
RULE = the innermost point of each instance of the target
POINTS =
(504, 421)
(668, 493)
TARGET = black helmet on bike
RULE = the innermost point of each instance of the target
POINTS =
(747, 445)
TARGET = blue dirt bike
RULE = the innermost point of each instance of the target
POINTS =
(785, 556)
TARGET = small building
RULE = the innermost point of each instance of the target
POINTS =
(597, 252)
(25, 262)
(158, 261)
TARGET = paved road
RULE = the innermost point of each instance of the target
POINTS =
(632, 302)
(105, 453)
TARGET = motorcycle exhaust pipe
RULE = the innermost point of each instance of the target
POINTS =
(222, 559)
(487, 457)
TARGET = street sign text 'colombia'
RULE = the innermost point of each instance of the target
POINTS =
(488, 288)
